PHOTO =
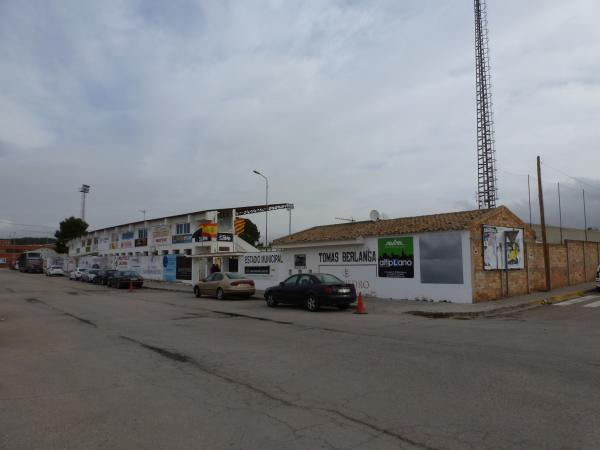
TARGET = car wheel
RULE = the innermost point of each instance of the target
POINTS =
(196, 292)
(220, 294)
(343, 306)
(312, 304)
(271, 302)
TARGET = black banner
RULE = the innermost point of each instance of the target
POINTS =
(257, 270)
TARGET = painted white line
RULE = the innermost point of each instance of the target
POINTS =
(576, 300)
(592, 305)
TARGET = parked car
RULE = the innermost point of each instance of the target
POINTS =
(55, 271)
(103, 276)
(90, 275)
(598, 278)
(222, 284)
(77, 273)
(123, 278)
(313, 291)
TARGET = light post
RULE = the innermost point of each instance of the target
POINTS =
(84, 189)
(266, 207)
(143, 211)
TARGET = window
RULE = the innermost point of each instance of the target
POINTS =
(326, 278)
(236, 276)
(143, 234)
(218, 276)
(291, 280)
(182, 228)
(441, 258)
(305, 280)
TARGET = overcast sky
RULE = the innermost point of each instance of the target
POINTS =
(345, 105)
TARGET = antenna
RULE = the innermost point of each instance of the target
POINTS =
(351, 219)
(374, 215)
(487, 190)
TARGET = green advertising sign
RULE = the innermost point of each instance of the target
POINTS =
(396, 257)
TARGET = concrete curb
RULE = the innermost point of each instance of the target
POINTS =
(502, 309)
(568, 296)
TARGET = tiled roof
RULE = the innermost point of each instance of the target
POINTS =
(405, 225)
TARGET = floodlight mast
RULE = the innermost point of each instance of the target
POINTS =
(84, 189)
(487, 190)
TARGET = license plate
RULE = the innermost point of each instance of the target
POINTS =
(344, 291)
(133, 279)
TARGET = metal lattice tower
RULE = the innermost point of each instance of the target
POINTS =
(487, 190)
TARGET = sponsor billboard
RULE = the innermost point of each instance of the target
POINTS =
(181, 238)
(396, 257)
(161, 235)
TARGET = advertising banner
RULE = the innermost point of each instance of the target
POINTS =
(501, 241)
(161, 235)
(128, 235)
(103, 244)
(169, 267)
(182, 238)
(141, 242)
(396, 257)
(225, 237)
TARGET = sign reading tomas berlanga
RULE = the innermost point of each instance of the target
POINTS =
(396, 257)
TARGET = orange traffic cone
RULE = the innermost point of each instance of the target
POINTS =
(130, 286)
(360, 306)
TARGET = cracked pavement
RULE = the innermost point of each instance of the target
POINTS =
(83, 366)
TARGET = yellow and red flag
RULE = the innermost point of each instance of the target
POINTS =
(240, 226)
(209, 230)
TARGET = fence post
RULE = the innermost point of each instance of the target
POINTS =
(584, 265)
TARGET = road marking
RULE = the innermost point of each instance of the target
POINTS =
(576, 300)
(592, 305)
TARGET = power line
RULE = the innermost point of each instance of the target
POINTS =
(572, 177)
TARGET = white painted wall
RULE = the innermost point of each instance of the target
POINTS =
(364, 274)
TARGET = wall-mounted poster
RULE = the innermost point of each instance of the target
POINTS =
(501, 241)
(396, 257)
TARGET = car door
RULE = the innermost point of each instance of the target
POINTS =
(304, 286)
(286, 292)
(204, 286)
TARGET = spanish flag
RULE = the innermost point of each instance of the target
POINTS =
(240, 225)
(209, 230)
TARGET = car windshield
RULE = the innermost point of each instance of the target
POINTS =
(235, 276)
(94, 271)
(129, 274)
(327, 278)
(83, 270)
(56, 267)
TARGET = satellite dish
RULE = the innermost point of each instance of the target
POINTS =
(374, 215)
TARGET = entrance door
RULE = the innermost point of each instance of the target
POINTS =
(183, 268)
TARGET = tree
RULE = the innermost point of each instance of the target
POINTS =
(250, 233)
(70, 228)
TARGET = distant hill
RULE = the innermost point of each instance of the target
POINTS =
(33, 241)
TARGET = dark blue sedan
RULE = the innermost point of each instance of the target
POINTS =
(312, 290)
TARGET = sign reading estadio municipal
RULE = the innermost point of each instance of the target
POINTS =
(396, 257)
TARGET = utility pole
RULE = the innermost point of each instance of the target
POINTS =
(584, 216)
(543, 223)
(560, 214)
(529, 194)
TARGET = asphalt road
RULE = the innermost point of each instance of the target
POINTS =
(83, 366)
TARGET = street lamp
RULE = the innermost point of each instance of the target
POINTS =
(143, 211)
(266, 207)
(84, 189)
